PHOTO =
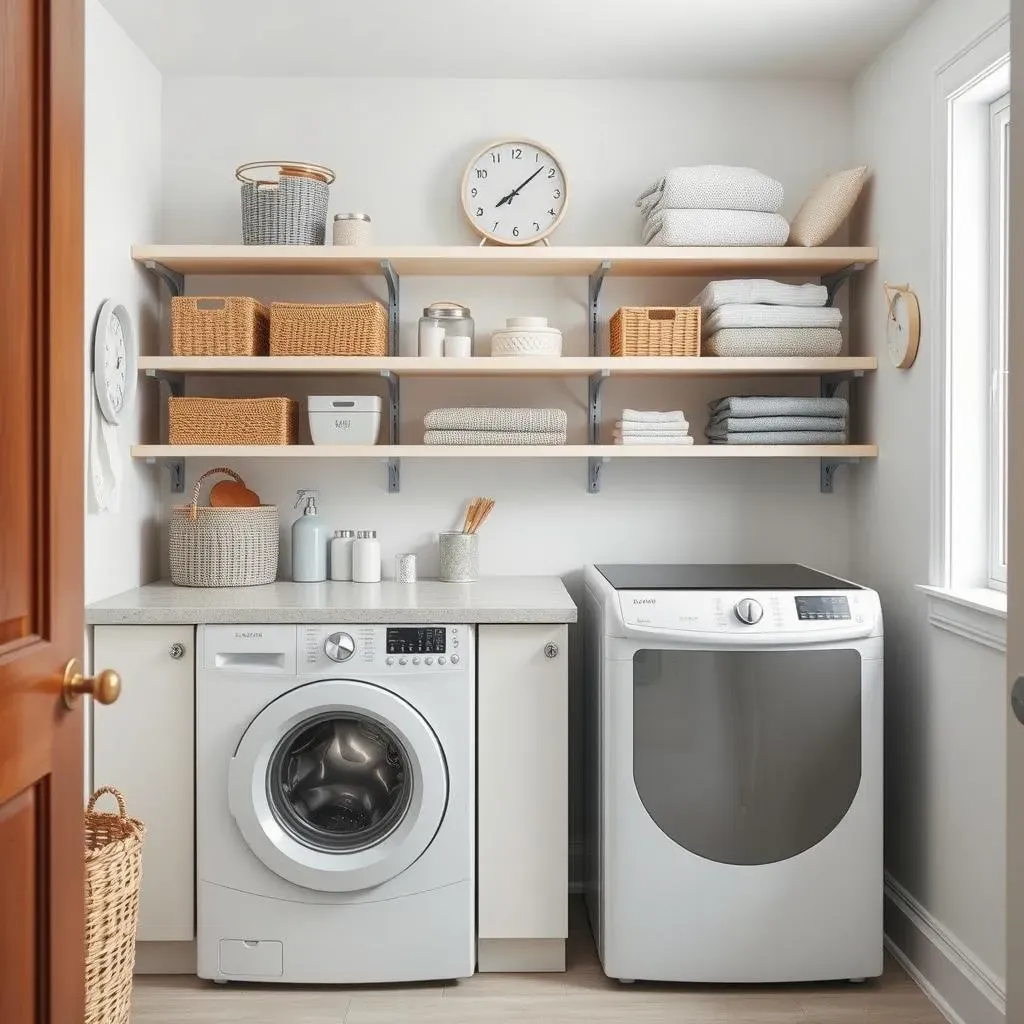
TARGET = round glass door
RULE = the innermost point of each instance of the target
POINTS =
(338, 785)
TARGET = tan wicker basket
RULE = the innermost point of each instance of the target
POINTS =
(113, 875)
(656, 331)
(212, 325)
(222, 547)
(310, 329)
(232, 420)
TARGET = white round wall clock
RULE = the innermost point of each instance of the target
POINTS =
(515, 192)
(115, 360)
(903, 325)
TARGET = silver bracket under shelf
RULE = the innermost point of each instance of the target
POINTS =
(595, 383)
(175, 381)
(833, 282)
(175, 282)
(177, 469)
(394, 423)
(828, 385)
(594, 466)
(828, 472)
(594, 283)
(392, 279)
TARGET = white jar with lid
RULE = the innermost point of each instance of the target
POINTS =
(366, 557)
(341, 554)
(352, 229)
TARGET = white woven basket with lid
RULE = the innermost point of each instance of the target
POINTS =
(527, 336)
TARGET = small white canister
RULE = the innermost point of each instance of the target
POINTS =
(352, 229)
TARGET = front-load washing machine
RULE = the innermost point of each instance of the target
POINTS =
(735, 773)
(335, 802)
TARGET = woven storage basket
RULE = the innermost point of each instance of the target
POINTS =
(306, 329)
(113, 874)
(222, 547)
(232, 420)
(288, 210)
(656, 331)
(219, 326)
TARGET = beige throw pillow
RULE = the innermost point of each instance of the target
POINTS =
(826, 208)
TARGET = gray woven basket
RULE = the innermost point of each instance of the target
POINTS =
(223, 547)
(291, 210)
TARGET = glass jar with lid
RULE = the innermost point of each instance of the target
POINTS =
(451, 318)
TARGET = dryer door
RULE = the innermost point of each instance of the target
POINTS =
(338, 785)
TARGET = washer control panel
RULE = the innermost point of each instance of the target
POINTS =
(401, 649)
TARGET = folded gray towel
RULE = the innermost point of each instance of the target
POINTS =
(485, 418)
(773, 341)
(778, 405)
(715, 227)
(713, 187)
(497, 437)
(746, 425)
(783, 437)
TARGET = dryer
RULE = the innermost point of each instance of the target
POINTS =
(734, 724)
(335, 802)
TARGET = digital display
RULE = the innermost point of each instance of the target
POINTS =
(830, 607)
(416, 640)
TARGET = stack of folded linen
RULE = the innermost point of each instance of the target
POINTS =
(642, 427)
(769, 419)
(495, 426)
(768, 318)
(713, 205)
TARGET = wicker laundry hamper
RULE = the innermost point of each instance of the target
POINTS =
(113, 875)
(290, 209)
(223, 547)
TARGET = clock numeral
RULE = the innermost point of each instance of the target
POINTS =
(517, 153)
(473, 192)
(479, 211)
(481, 173)
(495, 158)
(536, 226)
(495, 228)
(515, 232)
(552, 212)
(551, 172)
(557, 194)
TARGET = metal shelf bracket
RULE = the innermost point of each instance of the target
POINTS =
(594, 283)
(828, 472)
(833, 282)
(828, 385)
(595, 382)
(175, 381)
(175, 282)
(177, 468)
(394, 423)
(391, 276)
(594, 466)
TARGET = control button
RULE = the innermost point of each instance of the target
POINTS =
(403, 661)
(444, 661)
(339, 647)
(748, 611)
(389, 661)
(428, 661)
(415, 661)
(455, 659)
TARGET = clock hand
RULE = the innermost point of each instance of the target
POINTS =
(516, 191)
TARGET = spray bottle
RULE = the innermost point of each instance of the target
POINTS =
(309, 542)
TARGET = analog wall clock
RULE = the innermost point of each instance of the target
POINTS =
(514, 192)
(903, 325)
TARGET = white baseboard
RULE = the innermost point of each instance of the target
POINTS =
(963, 989)
(517, 956)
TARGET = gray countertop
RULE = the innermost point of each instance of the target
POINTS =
(496, 599)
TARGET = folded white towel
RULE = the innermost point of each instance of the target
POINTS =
(715, 227)
(714, 187)
(747, 292)
(744, 315)
(494, 419)
(652, 416)
(653, 439)
(632, 427)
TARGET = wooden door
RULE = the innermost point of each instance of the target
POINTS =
(41, 509)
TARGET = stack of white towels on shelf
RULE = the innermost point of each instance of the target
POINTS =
(713, 205)
(639, 426)
(768, 318)
(777, 419)
(495, 426)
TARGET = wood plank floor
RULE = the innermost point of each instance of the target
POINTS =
(583, 995)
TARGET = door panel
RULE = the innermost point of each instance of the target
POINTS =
(41, 510)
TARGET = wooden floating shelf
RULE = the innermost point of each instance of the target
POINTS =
(568, 366)
(568, 451)
(538, 261)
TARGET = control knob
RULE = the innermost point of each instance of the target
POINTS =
(339, 647)
(748, 611)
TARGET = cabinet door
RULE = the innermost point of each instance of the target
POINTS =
(523, 782)
(144, 745)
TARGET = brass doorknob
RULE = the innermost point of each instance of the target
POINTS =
(104, 687)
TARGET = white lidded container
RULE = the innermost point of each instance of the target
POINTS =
(352, 229)
(366, 557)
(344, 419)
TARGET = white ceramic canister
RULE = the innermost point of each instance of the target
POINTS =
(352, 229)
(366, 557)
(341, 554)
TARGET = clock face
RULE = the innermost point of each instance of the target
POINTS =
(903, 330)
(514, 192)
(115, 358)
(115, 361)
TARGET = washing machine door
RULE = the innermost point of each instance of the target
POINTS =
(338, 785)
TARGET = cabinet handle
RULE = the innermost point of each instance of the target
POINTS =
(551, 650)
(176, 651)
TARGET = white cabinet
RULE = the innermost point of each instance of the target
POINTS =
(522, 797)
(144, 745)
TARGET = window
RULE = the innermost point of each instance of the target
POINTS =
(998, 336)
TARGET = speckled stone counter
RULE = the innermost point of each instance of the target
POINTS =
(497, 599)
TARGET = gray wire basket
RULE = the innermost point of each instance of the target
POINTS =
(290, 209)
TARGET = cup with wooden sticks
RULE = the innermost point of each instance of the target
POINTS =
(459, 550)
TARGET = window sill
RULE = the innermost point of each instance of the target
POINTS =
(972, 613)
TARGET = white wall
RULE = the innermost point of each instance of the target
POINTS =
(945, 732)
(122, 204)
